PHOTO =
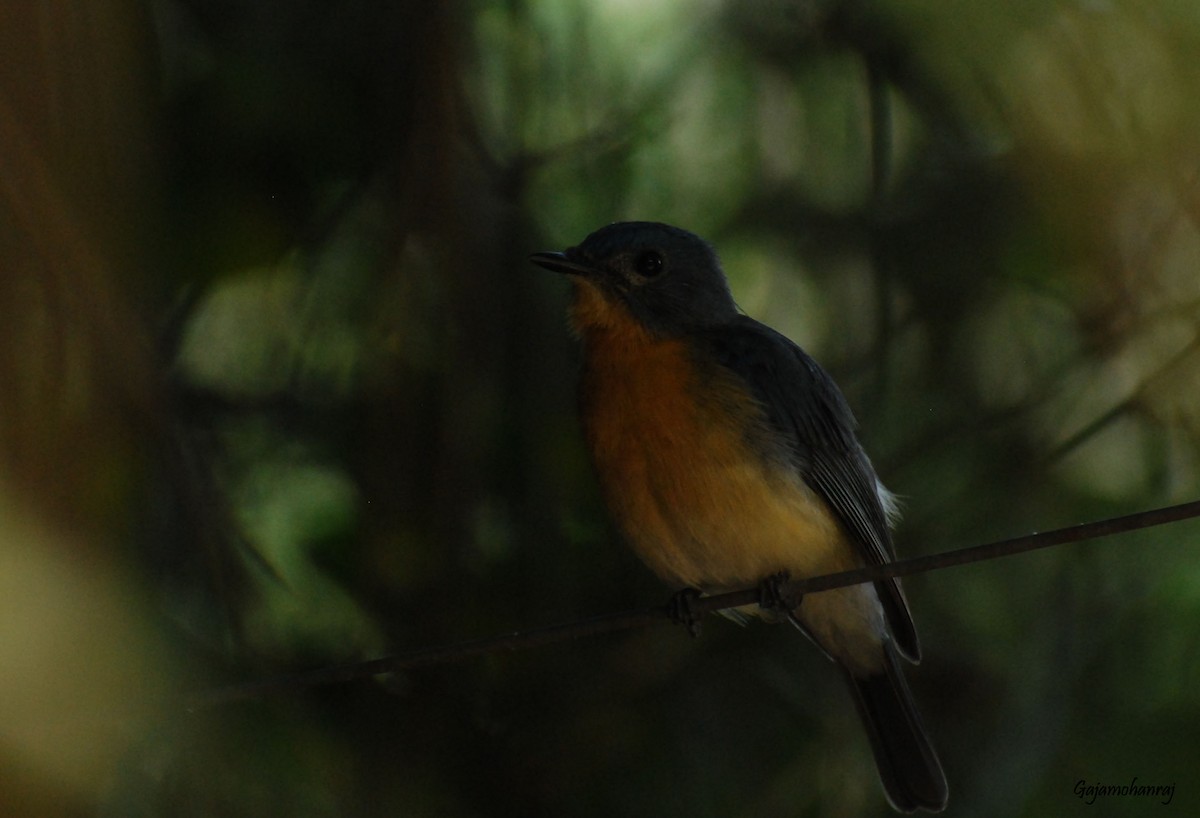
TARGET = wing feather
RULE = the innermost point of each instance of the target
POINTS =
(815, 427)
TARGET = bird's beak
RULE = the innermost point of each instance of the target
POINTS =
(561, 263)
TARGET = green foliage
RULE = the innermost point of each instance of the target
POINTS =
(981, 217)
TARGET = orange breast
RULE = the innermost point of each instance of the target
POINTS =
(673, 446)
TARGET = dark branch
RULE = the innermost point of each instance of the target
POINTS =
(524, 640)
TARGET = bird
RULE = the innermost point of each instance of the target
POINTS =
(727, 456)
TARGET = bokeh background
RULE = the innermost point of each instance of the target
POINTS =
(280, 391)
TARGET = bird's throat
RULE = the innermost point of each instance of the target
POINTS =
(595, 311)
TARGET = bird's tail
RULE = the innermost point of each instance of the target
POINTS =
(908, 766)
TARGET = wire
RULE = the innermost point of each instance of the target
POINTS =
(625, 620)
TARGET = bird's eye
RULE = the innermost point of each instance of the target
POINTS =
(649, 264)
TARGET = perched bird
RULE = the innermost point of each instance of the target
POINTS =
(727, 456)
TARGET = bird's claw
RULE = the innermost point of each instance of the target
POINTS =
(681, 612)
(775, 595)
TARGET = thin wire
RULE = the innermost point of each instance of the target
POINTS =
(625, 620)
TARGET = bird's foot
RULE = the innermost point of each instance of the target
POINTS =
(681, 611)
(775, 595)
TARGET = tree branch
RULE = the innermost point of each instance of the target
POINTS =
(608, 623)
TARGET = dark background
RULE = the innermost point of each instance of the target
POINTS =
(279, 390)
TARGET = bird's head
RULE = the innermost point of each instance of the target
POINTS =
(665, 279)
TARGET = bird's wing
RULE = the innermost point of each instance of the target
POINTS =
(807, 411)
